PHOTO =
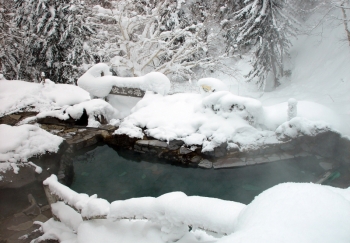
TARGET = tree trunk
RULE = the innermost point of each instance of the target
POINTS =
(345, 19)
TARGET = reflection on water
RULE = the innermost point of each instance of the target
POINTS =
(117, 175)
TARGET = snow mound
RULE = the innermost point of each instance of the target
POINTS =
(295, 212)
(98, 81)
(289, 212)
(95, 109)
(208, 85)
(275, 115)
(19, 143)
(208, 120)
(299, 126)
(20, 95)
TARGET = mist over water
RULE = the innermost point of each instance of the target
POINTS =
(119, 175)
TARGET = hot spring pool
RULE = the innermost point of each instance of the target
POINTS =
(121, 174)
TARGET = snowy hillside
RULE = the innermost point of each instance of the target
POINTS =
(320, 71)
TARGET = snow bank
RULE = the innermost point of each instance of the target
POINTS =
(19, 143)
(221, 117)
(88, 206)
(299, 126)
(289, 212)
(98, 81)
(295, 212)
(277, 114)
(95, 109)
(19, 95)
(178, 209)
(208, 120)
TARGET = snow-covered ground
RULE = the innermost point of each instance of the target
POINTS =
(289, 212)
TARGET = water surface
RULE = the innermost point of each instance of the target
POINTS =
(121, 174)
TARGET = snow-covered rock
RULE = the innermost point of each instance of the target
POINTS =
(98, 81)
(19, 95)
(18, 144)
(289, 212)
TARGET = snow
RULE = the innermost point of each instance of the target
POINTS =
(295, 212)
(275, 115)
(89, 206)
(94, 109)
(214, 118)
(288, 212)
(320, 72)
(211, 85)
(98, 81)
(67, 215)
(301, 126)
(19, 95)
(18, 144)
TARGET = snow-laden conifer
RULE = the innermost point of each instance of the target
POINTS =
(267, 25)
(55, 33)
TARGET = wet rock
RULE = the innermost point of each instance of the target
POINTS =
(195, 159)
(273, 157)
(219, 151)
(205, 164)
(326, 165)
(325, 144)
(157, 143)
(286, 156)
(33, 209)
(175, 144)
(184, 150)
(228, 162)
(21, 227)
(287, 146)
(260, 160)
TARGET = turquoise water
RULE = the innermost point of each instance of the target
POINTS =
(122, 174)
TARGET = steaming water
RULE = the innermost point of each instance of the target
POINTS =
(117, 175)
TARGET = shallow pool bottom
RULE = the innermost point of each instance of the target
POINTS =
(121, 174)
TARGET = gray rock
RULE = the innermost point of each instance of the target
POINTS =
(228, 162)
(184, 150)
(326, 166)
(175, 144)
(142, 142)
(287, 147)
(196, 159)
(250, 161)
(302, 154)
(157, 143)
(286, 156)
(274, 157)
(260, 160)
(205, 164)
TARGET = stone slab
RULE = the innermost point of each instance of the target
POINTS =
(228, 163)
(157, 143)
(184, 150)
(205, 164)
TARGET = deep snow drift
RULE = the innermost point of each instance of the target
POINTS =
(289, 212)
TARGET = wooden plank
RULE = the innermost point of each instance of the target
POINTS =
(124, 91)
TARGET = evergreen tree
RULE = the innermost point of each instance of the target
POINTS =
(267, 25)
(55, 35)
(10, 42)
